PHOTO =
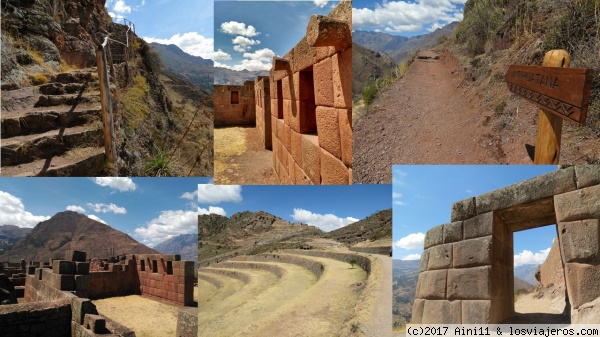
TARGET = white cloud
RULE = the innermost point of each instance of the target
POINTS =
(412, 257)
(190, 195)
(93, 217)
(221, 56)
(116, 183)
(400, 203)
(191, 42)
(221, 65)
(242, 44)
(411, 241)
(76, 208)
(528, 257)
(396, 195)
(212, 210)
(121, 7)
(263, 55)
(12, 212)
(106, 208)
(238, 28)
(168, 224)
(326, 222)
(320, 3)
(403, 16)
(214, 194)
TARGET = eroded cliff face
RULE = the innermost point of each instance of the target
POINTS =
(42, 36)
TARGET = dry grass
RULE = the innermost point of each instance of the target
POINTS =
(228, 142)
(148, 318)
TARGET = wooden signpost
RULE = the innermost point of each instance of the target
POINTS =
(562, 93)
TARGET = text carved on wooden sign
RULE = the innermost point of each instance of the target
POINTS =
(564, 92)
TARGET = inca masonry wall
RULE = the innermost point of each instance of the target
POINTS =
(311, 103)
(466, 271)
(234, 104)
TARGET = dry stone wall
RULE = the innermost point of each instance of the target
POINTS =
(262, 95)
(166, 277)
(234, 104)
(311, 103)
(466, 270)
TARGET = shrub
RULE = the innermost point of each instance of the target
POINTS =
(158, 165)
(134, 98)
(37, 79)
(353, 262)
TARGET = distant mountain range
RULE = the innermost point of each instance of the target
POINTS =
(193, 68)
(400, 48)
(526, 272)
(73, 231)
(185, 245)
(234, 77)
(10, 234)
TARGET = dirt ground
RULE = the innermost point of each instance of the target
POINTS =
(140, 314)
(241, 159)
(433, 116)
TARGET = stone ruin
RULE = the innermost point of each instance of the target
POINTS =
(466, 270)
(234, 104)
(303, 109)
(311, 103)
(57, 295)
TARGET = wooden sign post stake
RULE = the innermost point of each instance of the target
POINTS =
(549, 131)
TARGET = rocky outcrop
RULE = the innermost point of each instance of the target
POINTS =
(38, 35)
(552, 271)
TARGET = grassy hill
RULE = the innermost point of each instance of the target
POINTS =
(193, 68)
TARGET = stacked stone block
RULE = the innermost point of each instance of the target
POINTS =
(466, 271)
(311, 104)
(262, 90)
(234, 104)
(174, 284)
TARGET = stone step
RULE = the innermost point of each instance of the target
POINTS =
(87, 161)
(25, 149)
(78, 76)
(67, 99)
(37, 120)
(57, 88)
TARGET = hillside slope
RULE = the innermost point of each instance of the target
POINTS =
(10, 234)
(376, 226)
(193, 68)
(73, 231)
(368, 64)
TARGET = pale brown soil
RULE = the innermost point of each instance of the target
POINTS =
(531, 310)
(240, 158)
(320, 310)
(146, 317)
(434, 116)
(294, 281)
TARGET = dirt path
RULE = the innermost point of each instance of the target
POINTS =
(140, 315)
(319, 311)
(381, 318)
(240, 158)
(530, 310)
(294, 281)
(426, 117)
(433, 115)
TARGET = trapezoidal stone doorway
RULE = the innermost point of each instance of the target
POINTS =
(466, 270)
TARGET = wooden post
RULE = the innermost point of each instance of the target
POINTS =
(547, 144)
(107, 115)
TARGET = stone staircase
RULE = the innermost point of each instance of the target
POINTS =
(53, 129)
(118, 50)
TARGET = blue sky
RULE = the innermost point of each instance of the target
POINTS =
(423, 197)
(327, 207)
(249, 33)
(185, 23)
(406, 18)
(151, 210)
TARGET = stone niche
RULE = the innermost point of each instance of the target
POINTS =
(466, 270)
(311, 103)
(234, 104)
